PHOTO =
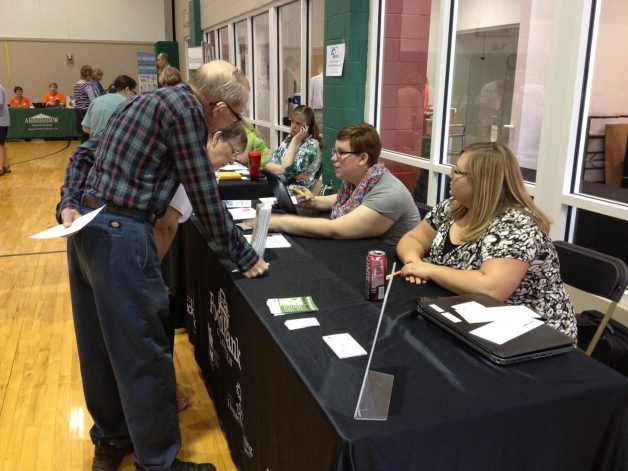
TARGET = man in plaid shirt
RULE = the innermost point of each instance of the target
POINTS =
(151, 143)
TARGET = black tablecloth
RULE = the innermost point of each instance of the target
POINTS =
(244, 189)
(286, 401)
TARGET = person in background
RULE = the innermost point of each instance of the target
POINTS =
(5, 122)
(101, 109)
(316, 85)
(371, 202)
(298, 158)
(150, 144)
(490, 238)
(163, 62)
(255, 141)
(19, 100)
(83, 94)
(97, 76)
(52, 95)
(170, 77)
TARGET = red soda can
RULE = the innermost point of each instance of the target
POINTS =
(376, 268)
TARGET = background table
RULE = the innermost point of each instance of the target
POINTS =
(286, 402)
(244, 189)
(42, 123)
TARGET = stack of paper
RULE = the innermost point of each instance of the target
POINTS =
(273, 241)
(238, 214)
(237, 203)
(281, 306)
(260, 228)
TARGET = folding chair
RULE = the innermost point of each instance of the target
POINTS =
(595, 273)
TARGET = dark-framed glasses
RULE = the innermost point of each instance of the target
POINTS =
(236, 116)
(341, 153)
(234, 153)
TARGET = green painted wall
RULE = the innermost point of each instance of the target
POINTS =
(196, 33)
(346, 21)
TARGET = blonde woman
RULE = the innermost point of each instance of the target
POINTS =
(489, 237)
(254, 141)
(170, 77)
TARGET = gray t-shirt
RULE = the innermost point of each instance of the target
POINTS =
(390, 198)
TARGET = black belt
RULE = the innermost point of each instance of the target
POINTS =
(95, 203)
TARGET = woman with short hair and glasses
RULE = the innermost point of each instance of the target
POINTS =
(371, 202)
(490, 238)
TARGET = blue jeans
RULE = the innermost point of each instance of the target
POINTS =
(120, 308)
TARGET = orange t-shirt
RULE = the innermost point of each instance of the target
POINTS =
(48, 98)
(16, 103)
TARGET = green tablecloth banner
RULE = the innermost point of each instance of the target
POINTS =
(42, 123)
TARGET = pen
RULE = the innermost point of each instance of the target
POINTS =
(394, 274)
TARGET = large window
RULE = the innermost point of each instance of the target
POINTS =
(289, 58)
(242, 54)
(261, 67)
(224, 44)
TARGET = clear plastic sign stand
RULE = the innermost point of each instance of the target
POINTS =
(374, 399)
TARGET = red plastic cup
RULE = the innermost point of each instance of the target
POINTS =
(255, 162)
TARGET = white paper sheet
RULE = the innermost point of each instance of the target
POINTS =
(270, 200)
(451, 317)
(499, 313)
(344, 345)
(501, 332)
(470, 306)
(237, 203)
(238, 214)
(301, 323)
(60, 231)
(233, 168)
(273, 241)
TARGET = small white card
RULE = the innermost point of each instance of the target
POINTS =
(498, 314)
(273, 241)
(270, 201)
(501, 332)
(238, 214)
(60, 231)
(470, 306)
(451, 317)
(436, 308)
(344, 345)
(238, 203)
(301, 323)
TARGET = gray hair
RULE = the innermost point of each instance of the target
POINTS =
(235, 132)
(220, 81)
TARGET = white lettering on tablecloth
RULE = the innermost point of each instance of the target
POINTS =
(220, 310)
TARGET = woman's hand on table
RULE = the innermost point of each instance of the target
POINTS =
(416, 272)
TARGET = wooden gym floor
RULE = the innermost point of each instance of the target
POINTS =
(44, 424)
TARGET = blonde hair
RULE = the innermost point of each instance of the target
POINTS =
(498, 186)
(170, 77)
(248, 127)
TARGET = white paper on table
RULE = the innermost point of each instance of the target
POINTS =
(60, 231)
(498, 313)
(238, 203)
(270, 200)
(436, 308)
(344, 345)
(244, 227)
(470, 306)
(239, 214)
(500, 332)
(451, 317)
(233, 168)
(302, 323)
(273, 241)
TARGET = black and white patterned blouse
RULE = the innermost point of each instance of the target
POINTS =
(512, 235)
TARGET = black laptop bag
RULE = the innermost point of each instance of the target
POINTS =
(612, 348)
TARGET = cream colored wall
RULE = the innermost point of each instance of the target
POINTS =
(217, 12)
(119, 20)
(36, 63)
(182, 32)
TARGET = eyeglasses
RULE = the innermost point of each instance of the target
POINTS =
(340, 153)
(235, 153)
(455, 171)
(236, 116)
